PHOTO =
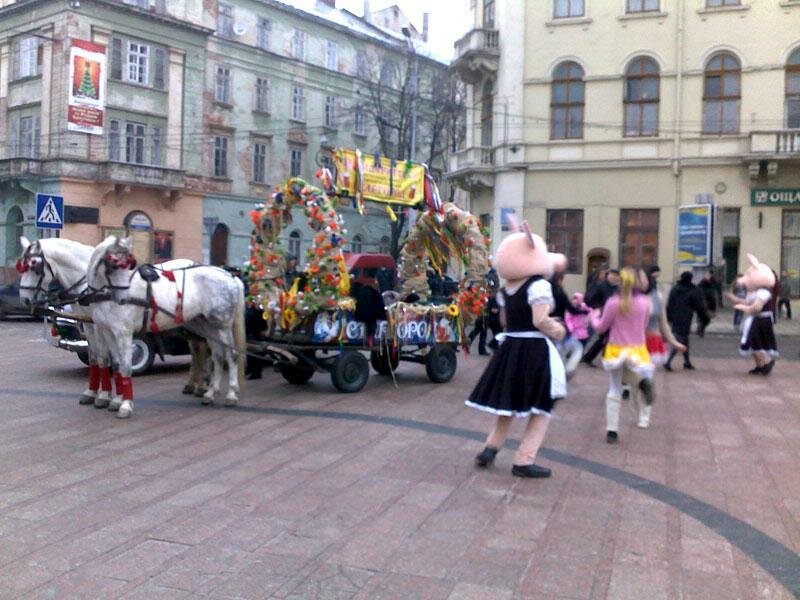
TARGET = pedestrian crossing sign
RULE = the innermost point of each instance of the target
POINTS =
(49, 211)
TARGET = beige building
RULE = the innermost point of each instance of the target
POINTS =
(597, 119)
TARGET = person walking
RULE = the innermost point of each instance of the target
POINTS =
(785, 295)
(624, 317)
(684, 301)
(577, 323)
(596, 299)
(489, 319)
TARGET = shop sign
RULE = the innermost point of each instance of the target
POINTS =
(775, 197)
(86, 87)
(694, 235)
(140, 221)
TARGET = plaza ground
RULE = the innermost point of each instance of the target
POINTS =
(302, 492)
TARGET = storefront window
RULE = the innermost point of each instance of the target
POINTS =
(565, 235)
(162, 245)
(790, 248)
(638, 237)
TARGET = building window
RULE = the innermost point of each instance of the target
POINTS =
(135, 136)
(488, 14)
(262, 95)
(262, 33)
(567, 8)
(639, 6)
(330, 112)
(360, 121)
(155, 146)
(716, 3)
(138, 59)
(25, 137)
(356, 245)
(296, 165)
(487, 113)
(220, 156)
(299, 44)
(294, 245)
(793, 90)
(383, 245)
(567, 102)
(331, 56)
(26, 58)
(565, 235)
(641, 97)
(225, 20)
(361, 65)
(721, 94)
(222, 87)
(113, 140)
(638, 237)
(388, 70)
(260, 163)
(298, 103)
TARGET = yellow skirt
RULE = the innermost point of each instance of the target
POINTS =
(634, 356)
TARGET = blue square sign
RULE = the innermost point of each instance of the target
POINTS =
(49, 211)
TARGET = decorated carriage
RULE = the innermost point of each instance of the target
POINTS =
(323, 321)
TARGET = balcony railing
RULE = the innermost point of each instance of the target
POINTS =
(478, 40)
(142, 175)
(476, 156)
(776, 143)
(477, 54)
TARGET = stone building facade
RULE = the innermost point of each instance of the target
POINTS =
(612, 115)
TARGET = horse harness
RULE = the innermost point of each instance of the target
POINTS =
(56, 294)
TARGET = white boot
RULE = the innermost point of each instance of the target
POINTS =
(103, 399)
(115, 403)
(88, 396)
(644, 416)
(231, 399)
(612, 412)
(125, 410)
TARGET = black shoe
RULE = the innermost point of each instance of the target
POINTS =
(647, 391)
(612, 437)
(756, 371)
(486, 457)
(534, 471)
(668, 367)
(626, 393)
(688, 366)
(767, 368)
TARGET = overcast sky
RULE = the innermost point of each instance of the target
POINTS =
(448, 21)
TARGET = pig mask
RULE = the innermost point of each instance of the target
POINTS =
(524, 254)
(758, 275)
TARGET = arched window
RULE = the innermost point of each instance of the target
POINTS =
(219, 245)
(721, 94)
(14, 231)
(487, 113)
(566, 102)
(356, 245)
(641, 97)
(383, 246)
(294, 244)
(793, 90)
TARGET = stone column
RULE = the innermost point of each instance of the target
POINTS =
(175, 79)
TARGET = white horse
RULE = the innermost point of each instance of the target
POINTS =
(54, 273)
(207, 301)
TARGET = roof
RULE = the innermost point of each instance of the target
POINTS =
(344, 18)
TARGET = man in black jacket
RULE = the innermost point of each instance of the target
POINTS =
(596, 297)
(685, 299)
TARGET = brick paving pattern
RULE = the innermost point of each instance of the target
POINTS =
(183, 501)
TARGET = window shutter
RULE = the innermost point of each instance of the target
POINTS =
(14, 137)
(158, 76)
(116, 58)
(15, 59)
(37, 122)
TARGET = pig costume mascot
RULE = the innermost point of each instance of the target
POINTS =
(758, 336)
(525, 376)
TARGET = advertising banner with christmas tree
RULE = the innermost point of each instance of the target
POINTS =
(86, 90)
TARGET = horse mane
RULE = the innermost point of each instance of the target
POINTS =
(56, 247)
(97, 255)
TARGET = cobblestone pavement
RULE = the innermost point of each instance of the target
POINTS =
(305, 493)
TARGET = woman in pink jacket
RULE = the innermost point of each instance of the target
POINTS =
(577, 325)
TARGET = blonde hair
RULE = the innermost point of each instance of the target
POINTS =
(627, 281)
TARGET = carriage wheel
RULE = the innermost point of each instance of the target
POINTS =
(441, 363)
(142, 357)
(384, 362)
(350, 371)
(296, 374)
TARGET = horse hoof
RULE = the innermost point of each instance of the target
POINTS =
(188, 389)
(115, 403)
(199, 392)
(101, 401)
(206, 401)
(126, 410)
(86, 399)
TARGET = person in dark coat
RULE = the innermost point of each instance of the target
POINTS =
(255, 327)
(685, 299)
(489, 319)
(708, 288)
(598, 295)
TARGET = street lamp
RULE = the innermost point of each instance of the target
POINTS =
(414, 84)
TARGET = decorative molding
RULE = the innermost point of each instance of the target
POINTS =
(566, 21)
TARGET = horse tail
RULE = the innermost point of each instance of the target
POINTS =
(240, 337)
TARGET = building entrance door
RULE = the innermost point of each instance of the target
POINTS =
(730, 254)
(790, 248)
(219, 245)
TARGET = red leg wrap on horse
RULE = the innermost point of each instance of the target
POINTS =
(105, 379)
(94, 377)
(127, 388)
(118, 382)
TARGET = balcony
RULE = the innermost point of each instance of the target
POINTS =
(477, 55)
(775, 144)
(472, 169)
(19, 167)
(141, 175)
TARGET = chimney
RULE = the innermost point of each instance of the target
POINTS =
(367, 12)
(425, 17)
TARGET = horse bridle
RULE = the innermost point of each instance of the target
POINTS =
(38, 266)
(110, 263)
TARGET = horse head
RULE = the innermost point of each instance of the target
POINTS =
(36, 275)
(111, 267)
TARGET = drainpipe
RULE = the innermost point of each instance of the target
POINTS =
(680, 26)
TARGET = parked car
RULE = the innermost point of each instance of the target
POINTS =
(10, 304)
(67, 334)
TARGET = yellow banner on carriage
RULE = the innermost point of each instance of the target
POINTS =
(382, 180)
